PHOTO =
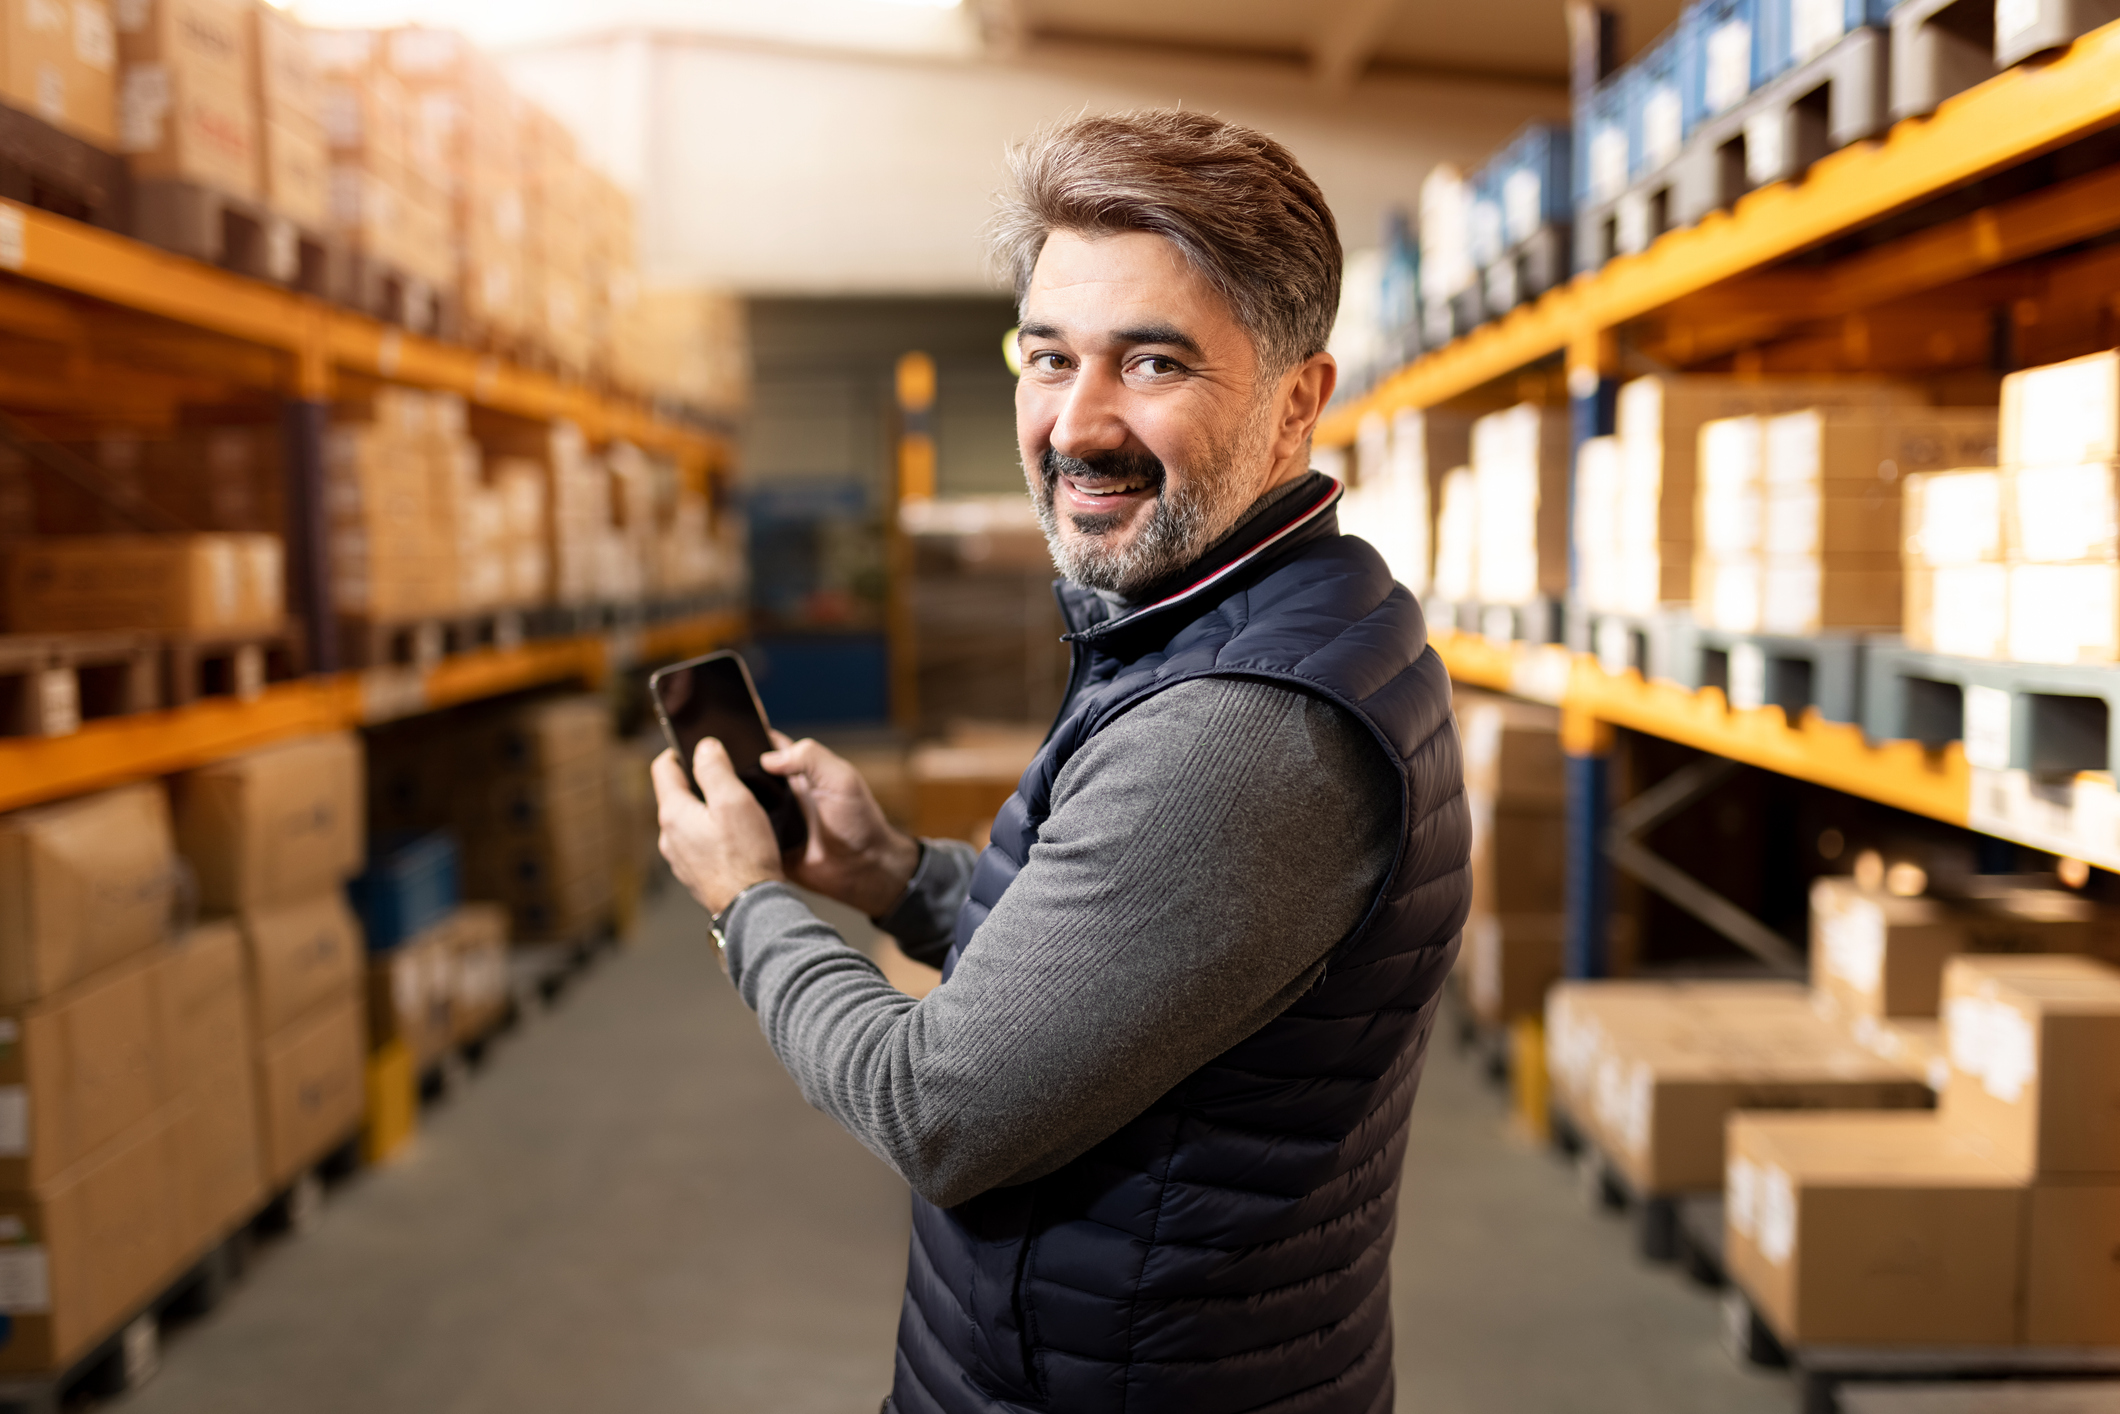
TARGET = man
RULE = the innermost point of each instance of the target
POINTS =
(1154, 1117)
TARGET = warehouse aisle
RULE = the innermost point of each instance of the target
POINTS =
(633, 1210)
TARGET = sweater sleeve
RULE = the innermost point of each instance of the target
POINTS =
(1203, 855)
(924, 921)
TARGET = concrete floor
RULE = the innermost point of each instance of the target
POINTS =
(632, 1209)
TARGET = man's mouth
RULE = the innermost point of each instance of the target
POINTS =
(1105, 485)
(1102, 489)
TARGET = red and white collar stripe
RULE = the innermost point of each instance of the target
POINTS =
(1324, 503)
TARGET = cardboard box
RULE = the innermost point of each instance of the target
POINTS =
(479, 987)
(2057, 515)
(276, 825)
(2064, 613)
(1953, 518)
(295, 174)
(168, 583)
(366, 120)
(1667, 1067)
(412, 995)
(185, 110)
(1853, 451)
(84, 885)
(2072, 1264)
(310, 1088)
(2035, 1061)
(80, 1069)
(1875, 955)
(1519, 859)
(1913, 1043)
(1872, 1230)
(287, 82)
(1809, 594)
(221, 1181)
(1520, 468)
(2064, 414)
(59, 60)
(85, 1252)
(1961, 609)
(303, 959)
(1510, 962)
(1513, 751)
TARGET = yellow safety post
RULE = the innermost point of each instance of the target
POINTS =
(393, 1113)
(1529, 1092)
(914, 481)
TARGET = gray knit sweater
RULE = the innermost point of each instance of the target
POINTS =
(1203, 854)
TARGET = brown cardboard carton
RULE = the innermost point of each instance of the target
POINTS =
(479, 980)
(1511, 959)
(59, 61)
(1914, 1043)
(173, 583)
(1809, 594)
(276, 825)
(84, 884)
(411, 994)
(2035, 1061)
(81, 1069)
(1854, 1229)
(2072, 1264)
(221, 1178)
(366, 122)
(288, 83)
(1520, 467)
(296, 173)
(84, 1253)
(1853, 451)
(2064, 414)
(303, 958)
(1652, 1073)
(184, 105)
(1875, 955)
(1513, 751)
(1953, 518)
(1519, 859)
(310, 1088)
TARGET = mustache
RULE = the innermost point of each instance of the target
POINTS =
(1112, 466)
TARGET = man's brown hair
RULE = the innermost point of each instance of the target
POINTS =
(1237, 203)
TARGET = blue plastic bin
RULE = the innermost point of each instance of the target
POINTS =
(1778, 25)
(1606, 111)
(1656, 100)
(1534, 178)
(410, 885)
(1720, 57)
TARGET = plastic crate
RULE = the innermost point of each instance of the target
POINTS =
(1719, 57)
(410, 885)
(1603, 139)
(1793, 32)
(1535, 181)
(1483, 236)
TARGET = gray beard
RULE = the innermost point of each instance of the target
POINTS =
(1180, 524)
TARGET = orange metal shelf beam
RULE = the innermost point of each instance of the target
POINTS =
(2012, 117)
(116, 749)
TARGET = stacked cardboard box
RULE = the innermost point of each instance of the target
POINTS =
(1520, 473)
(1647, 543)
(60, 62)
(599, 518)
(128, 1132)
(1516, 784)
(1390, 500)
(2053, 552)
(1991, 1223)
(273, 837)
(464, 104)
(1799, 514)
(387, 200)
(167, 583)
(287, 93)
(557, 242)
(185, 112)
(213, 477)
(691, 346)
(1877, 960)
(613, 267)
(402, 483)
(1457, 537)
(444, 987)
(1650, 1070)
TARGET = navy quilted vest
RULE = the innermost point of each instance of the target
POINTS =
(1227, 1249)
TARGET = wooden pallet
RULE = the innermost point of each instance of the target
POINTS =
(51, 683)
(384, 290)
(55, 171)
(236, 233)
(237, 665)
(423, 642)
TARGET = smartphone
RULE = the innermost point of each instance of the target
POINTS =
(714, 696)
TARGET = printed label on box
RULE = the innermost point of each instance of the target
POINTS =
(1987, 727)
(14, 1121)
(1854, 944)
(1992, 1042)
(25, 1281)
(1777, 1215)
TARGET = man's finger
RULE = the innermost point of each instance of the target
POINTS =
(781, 740)
(670, 783)
(713, 769)
(794, 758)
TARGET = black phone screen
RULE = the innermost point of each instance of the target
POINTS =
(713, 696)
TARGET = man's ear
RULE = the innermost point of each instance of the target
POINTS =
(1310, 387)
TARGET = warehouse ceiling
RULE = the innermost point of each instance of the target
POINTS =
(1340, 40)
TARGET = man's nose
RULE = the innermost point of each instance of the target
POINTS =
(1091, 418)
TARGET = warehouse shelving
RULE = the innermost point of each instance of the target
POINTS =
(185, 329)
(1709, 288)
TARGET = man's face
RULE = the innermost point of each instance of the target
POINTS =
(1144, 424)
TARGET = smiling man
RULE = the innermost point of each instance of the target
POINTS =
(1154, 1117)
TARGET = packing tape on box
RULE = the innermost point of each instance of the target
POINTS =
(1992, 1042)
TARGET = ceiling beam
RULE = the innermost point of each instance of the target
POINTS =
(1348, 41)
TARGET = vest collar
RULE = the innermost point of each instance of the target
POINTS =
(1298, 517)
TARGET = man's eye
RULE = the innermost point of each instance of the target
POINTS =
(1157, 367)
(1048, 361)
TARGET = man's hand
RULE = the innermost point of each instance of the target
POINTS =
(720, 847)
(853, 854)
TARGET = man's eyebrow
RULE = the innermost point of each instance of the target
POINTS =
(1038, 331)
(1159, 334)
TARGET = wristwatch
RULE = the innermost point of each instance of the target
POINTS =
(717, 923)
